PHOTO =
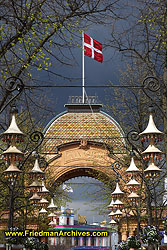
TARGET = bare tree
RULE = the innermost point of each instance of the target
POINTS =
(130, 108)
(141, 35)
(33, 33)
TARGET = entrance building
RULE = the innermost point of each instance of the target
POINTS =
(82, 141)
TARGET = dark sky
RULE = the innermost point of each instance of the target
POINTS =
(95, 73)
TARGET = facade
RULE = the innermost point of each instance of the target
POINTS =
(81, 141)
(63, 223)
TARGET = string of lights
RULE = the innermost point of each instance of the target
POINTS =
(78, 86)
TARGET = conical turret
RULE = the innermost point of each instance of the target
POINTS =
(52, 205)
(133, 182)
(43, 211)
(110, 206)
(151, 130)
(117, 192)
(112, 222)
(152, 170)
(12, 172)
(132, 168)
(36, 171)
(13, 131)
(44, 191)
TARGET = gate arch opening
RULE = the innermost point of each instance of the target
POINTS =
(76, 143)
(74, 172)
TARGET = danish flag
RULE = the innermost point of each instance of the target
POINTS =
(93, 48)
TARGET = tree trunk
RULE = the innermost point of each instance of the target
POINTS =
(11, 208)
(164, 105)
(151, 247)
(149, 209)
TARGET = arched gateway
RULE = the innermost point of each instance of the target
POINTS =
(82, 141)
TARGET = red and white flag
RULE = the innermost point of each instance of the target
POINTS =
(92, 48)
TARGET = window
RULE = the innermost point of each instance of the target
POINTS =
(84, 241)
(76, 241)
(92, 241)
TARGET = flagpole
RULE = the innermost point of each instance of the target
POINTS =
(83, 70)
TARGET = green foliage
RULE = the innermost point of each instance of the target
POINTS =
(130, 109)
(123, 245)
(17, 195)
(151, 235)
(128, 106)
(156, 19)
(34, 243)
(28, 242)
(2, 238)
(33, 33)
(165, 225)
(133, 242)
